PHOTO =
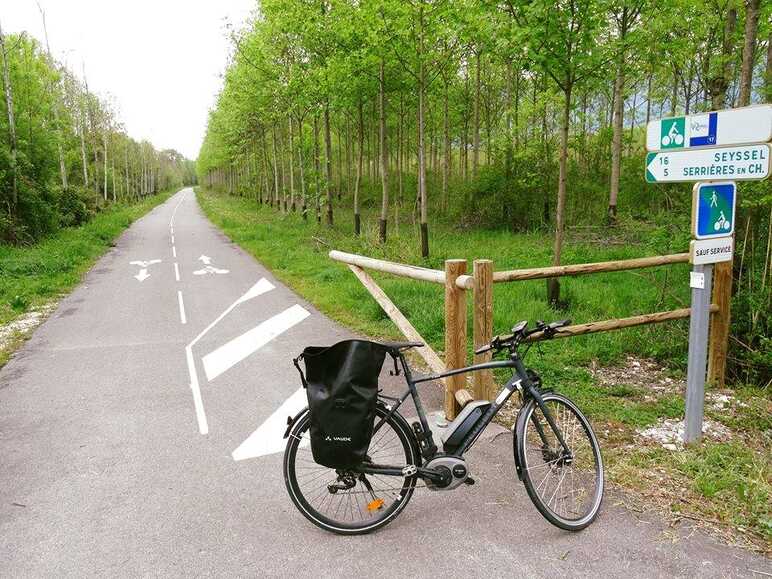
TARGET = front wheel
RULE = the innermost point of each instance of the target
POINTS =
(566, 487)
(347, 502)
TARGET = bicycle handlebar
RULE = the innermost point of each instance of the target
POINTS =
(521, 332)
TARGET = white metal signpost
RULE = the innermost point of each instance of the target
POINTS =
(706, 148)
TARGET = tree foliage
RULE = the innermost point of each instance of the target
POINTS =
(70, 155)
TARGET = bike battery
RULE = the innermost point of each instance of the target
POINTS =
(462, 424)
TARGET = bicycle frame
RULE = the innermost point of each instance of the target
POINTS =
(520, 381)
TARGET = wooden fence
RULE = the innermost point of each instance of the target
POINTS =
(457, 282)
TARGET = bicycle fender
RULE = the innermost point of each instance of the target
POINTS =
(518, 431)
(292, 420)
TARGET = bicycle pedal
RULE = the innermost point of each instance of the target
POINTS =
(469, 481)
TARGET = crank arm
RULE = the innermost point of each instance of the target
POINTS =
(386, 470)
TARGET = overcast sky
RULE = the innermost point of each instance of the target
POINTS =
(160, 59)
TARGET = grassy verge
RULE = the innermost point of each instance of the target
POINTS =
(33, 277)
(739, 496)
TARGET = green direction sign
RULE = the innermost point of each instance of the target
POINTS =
(713, 209)
(745, 163)
(672, 133)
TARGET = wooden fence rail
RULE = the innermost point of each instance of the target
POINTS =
(467, 282)
(457, 282)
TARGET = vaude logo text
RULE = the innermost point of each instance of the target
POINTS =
(329, 438)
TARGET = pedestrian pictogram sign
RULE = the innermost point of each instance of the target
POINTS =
(741, 126)
(713, 209)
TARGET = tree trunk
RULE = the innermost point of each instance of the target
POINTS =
(317, 171)
(648, 97)
(96, 166)
(104, 147)
(282, 161)
(360, 162)
(476, 128)
(328, 160)
(508, 152)
(384, 154)
(126, 168)
(720, 83)
(83, 159)
(674, 96)
(301, 163)
(768, 72)
(275, 200)
(11, 126)
(616, 140)
(446, 148)
(349, 153)
(291, 166)
(55, 108)
(553, 285)
(749, 47)
(421, 151)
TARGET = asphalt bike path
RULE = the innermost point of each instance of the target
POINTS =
(140, 435)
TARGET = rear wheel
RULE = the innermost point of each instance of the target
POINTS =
(567, 488)
(348, 502)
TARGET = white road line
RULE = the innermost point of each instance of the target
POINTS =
(230, 354)
(172, 239)
(268, 438)
(176, 271)
(174, 251)
(198, 403)
(183, 319)
(171, 230)
(182, 198)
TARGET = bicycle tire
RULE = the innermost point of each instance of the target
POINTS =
(330, 521)
(550, 463)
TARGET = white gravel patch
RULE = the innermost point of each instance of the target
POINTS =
(669, 432)
(25, 323)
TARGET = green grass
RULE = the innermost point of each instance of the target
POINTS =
(32, 276)
(296, 252)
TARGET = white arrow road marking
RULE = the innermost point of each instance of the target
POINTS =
(142, 275)
(230, 354)
(206, 260)
(210, 269)
(259, 288)
(267, 439)
(145, 263)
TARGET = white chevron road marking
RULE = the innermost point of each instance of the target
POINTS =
(267, 439)
(230, 354)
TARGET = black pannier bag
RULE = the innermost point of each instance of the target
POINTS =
(341, 383)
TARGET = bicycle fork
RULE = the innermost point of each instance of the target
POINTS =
(536, 395)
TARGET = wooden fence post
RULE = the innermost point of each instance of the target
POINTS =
(483, 325)
(455, 332)
(719, 324)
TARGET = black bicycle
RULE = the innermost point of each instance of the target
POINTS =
(555, 449)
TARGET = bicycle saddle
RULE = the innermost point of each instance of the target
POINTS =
(399, 346)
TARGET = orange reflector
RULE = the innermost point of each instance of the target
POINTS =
(375, 504)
